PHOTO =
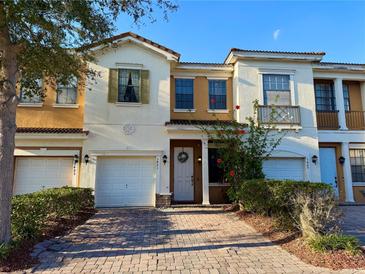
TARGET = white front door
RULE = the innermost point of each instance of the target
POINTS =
(183, 174)
(327, 160)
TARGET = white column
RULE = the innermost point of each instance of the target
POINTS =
(340, 104)
(347, 173)
(205, 172)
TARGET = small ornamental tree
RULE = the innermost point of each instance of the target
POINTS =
(242, 148)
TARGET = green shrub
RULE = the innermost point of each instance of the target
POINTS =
(4, 251)
(333, 242)
(275, 197)
(31, 212)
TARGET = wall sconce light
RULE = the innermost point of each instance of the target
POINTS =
(314, 159)
(199, 159)
(86, 158)
(76, 158)
(341, 160)
(164, 159)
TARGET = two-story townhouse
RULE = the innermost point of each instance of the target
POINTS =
(339, 100)
(138, 142)
(49, 137)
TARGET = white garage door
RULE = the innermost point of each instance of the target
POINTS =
(36, 173)
(284, 168)
(125, 181)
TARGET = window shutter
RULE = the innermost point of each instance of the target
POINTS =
(113, 86)
(145, 87)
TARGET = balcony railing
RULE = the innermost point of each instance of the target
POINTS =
(287, 115)
(327, 119)
(355, 120)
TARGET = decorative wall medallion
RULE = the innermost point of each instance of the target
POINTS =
(129, 129)
(182, 157)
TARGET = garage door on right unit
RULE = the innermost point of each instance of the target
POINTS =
(284, 168)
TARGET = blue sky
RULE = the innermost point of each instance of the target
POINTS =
(204, 31)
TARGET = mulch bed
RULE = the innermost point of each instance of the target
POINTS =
(20, 258)
(293, 243)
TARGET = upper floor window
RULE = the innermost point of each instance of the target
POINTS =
(325, 97)
(29, 97)
(357, 160)
(276, 89)
(67, 94)
(129, 83)
(217, 94)
(184, 93)
(346, 97)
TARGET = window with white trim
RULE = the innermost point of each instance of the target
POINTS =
(27, 96)
(67, 94)
(129, 86)
(217, 94)
(184, 93)
(357, 161)
(276, 89)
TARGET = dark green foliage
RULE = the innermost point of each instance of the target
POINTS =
(333, 242)
(31, 212)
(274, 197)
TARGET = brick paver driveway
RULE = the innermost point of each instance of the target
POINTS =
(184, 240)
(354, 222)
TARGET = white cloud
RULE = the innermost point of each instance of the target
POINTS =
(276, 34)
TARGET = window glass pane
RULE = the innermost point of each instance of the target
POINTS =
(357, 161)
(184, 93)
(67, 94)
(217, 94)
(346, 97)
(325, 97)
(276, 89)
(215, 172)
(31, 98)
(129, 85)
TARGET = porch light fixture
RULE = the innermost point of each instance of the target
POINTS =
(199, 159)
(314, 159)
(76, 158)
(341, 160)
(86, 158)
(164, 159)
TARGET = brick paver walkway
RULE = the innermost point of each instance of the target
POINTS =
(354, 222)
(183, 240)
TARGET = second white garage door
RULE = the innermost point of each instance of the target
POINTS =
(284, 168)
(125, 181)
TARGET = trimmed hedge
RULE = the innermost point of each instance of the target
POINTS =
(274, 197)
(31, 212)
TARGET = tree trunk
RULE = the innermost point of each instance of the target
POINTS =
(8, 102)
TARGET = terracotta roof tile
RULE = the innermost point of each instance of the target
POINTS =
(339, 63)
(52, 130)
(205, 63)
(136, 36)
(280, 52)
(177, 122)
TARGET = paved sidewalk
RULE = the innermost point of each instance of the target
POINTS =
(354, 222)
(182, 240)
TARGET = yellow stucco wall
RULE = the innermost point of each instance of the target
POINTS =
(359, 194)
(49, 116)
(201, 102)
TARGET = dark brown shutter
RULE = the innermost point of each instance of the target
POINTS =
(145, 87)
(113, 86)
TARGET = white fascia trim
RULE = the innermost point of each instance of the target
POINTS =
(276, 71)
(126, 152)
(121, 104)
(357, 146)
(264, 55)
(45, 152)
(128, 65)
(42, 136)
(204, 67)
(217, 110)
(66, 105)
(30, 105)
(217, 78)
(124, 40)
(358, 183)
(184, 110)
